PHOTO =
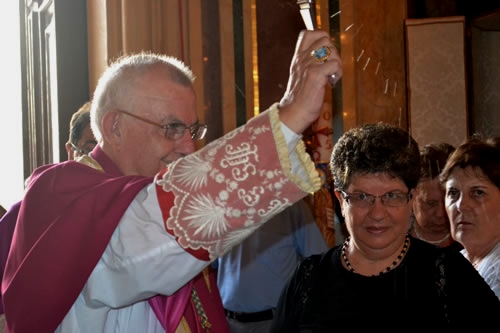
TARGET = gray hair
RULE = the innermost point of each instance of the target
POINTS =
(120, 83)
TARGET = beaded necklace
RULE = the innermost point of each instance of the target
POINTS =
(389, 268)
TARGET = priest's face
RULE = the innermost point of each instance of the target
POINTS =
(156, 130)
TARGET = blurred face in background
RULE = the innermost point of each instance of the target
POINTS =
(428, 207)
(83, 146)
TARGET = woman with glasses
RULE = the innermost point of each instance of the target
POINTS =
(382, 278)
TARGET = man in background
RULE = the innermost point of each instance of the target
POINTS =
(81, 140)
(252, 275)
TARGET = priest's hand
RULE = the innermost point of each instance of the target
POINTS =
(315, 65)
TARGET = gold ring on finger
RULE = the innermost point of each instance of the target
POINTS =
(321, 54)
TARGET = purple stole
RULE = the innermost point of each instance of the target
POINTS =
(65, 222)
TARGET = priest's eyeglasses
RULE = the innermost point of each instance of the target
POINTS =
(175, 131)
(365, 200)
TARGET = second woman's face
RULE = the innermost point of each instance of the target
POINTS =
(379, 225)
(473, 206)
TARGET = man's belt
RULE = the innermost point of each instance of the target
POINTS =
(248, 317)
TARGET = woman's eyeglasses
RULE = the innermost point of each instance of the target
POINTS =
(365, 200)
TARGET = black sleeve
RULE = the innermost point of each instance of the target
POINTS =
(294, 296)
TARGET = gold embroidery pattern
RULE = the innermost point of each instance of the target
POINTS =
(200, 311)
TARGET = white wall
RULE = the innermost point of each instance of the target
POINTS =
(11, 145)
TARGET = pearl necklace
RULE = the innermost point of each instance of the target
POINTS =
(438, 242)
(394, 264)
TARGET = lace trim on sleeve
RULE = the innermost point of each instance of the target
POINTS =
(314, 182)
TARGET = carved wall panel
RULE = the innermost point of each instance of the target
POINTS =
(437, 92)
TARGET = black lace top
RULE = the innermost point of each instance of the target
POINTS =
(431, 288)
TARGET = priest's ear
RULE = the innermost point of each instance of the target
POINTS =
(111, 131)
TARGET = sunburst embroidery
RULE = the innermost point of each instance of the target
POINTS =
(225, 191)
